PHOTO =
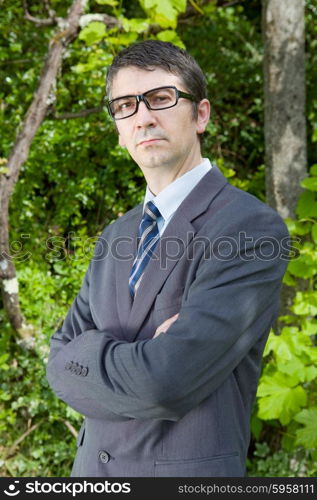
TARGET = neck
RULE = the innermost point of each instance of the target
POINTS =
(158, 178)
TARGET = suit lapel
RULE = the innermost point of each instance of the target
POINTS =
(176, 237)
(124, 252)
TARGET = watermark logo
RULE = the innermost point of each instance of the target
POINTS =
(12, 490)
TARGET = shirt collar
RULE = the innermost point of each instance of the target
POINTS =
(170, 198)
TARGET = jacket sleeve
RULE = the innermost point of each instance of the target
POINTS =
(229, 306)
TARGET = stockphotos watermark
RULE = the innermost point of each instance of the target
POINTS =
(224, 248)
(73, 488)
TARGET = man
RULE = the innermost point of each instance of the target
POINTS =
(161, 349)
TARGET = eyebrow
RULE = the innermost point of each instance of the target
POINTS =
(142, 93)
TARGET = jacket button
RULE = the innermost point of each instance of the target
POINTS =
(78, 369)
(74, 368)
(104, 457)
(84, 371)
(68, 365)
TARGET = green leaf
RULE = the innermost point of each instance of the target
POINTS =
(3, 364)
(256, 426)
(310, 183)
(295, 368)
(170, 36)
(304, 266)
(313, 170)
(137, 25)
(309, 326)
(180, 5)
(164, 12)
(280, 344)
(122, 38)
(307, 205)
(16, 47)
(305, 303)
(288, 279)
(3, 358)
(112, 3)
(292, 351)
(297, 227)
(314, 232)
(310, 373)
(97, 59)
(307, 436)
(4, 396)
(73, 414)
(278, 399)
(93, 33)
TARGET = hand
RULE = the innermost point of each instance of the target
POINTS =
(163, 327)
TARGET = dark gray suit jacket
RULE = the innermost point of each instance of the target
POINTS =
(179, 404)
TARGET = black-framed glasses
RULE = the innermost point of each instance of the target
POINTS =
(154, 99)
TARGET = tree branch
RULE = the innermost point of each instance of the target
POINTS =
(51, 12)
(12, 449)
(32, 121)
(15, 61)
(230, 4)
(196, 7)
(109, 21)
(78, 114)
(50, 21)
(71, 428)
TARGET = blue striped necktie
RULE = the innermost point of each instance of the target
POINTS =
(148, 239)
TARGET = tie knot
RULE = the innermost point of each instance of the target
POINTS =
(151, 211)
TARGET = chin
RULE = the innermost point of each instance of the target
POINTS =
(152, 162)
(165, 161)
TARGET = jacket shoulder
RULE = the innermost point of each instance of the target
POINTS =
(238, 209)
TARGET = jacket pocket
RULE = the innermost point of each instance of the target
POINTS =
(228, 465)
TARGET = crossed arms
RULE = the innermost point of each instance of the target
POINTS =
(229, 307)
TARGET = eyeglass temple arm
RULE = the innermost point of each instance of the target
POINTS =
(184, 94)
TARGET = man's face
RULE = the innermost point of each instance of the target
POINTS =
(162, 138)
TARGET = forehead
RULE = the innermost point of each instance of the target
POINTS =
(133, 80)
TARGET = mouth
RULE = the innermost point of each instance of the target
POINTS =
(149, 141)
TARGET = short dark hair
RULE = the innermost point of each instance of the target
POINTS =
(150, 54)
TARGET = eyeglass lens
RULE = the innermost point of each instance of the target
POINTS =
(157, 99)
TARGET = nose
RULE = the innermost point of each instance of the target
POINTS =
(145, 116)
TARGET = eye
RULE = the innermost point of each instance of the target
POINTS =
(161, 98)
(124, 105)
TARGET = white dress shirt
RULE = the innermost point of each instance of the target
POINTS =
(170, 198)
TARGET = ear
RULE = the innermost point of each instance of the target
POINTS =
(203, 115)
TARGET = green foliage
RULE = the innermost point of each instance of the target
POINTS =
(102, 44)
(170, 36)
(228, 45)
(164, 12)
(93, 33)
(31, 413)
(280, 397)
(288, 391)
(281, 463)
(307, 436)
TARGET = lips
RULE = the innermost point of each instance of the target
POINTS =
(149, 141)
